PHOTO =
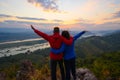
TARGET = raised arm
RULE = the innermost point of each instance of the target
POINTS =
(57, 51)
(78, 35)
(45, 36)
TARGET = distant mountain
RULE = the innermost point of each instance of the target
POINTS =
(21, 30)
(106, 32)
(5, 37)
(14, 30)
(95, 33)
(96, 45)
(12, 34)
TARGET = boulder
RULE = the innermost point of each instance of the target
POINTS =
(26, 71)
(85, 74)
(2, 76)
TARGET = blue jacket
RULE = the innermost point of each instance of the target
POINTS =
(68, 50)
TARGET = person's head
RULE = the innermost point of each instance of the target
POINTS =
(56, 30)
(66, 34)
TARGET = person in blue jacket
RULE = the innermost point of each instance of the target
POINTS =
(69, 54)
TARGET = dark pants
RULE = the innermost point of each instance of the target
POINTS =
(70, 68)
(53, 64)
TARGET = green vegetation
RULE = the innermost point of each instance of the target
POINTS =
(10, 65)
(96, 45)
(38, 57)
(107, 66)
(100, 54)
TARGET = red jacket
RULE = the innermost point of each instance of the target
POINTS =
(55, 41)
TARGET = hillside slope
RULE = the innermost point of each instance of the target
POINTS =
(99, 54)
(96, 45)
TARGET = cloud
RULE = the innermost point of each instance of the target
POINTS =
(17, 22)
(48, 5)
(114, 16)
(49, 26)
(28, 18)
(4, 15)
(25, 18)
(56, 20)
(93, 26)
(81, 20)
(108, 26)
(117, 15)
(25, 24)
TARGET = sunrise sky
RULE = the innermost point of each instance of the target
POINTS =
(67, 14)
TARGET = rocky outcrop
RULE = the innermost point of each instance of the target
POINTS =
(2, 76)
(85, 74)
(27, 72)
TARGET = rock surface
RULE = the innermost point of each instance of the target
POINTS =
(27, 72)
(85, 74)
(2, 76)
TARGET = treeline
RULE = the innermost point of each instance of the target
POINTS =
(105, 67)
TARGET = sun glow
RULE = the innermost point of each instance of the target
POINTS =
(60, 12)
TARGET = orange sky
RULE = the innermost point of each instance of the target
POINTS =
(68, 14)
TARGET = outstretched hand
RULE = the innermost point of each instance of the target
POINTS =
(32, 27)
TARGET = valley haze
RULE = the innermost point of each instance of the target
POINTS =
(16, 41)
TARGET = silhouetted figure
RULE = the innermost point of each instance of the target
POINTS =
(55, 41)
(69, 54)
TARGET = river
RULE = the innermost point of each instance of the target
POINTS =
(23, 48)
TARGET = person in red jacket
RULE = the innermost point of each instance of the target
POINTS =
(55, 41)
